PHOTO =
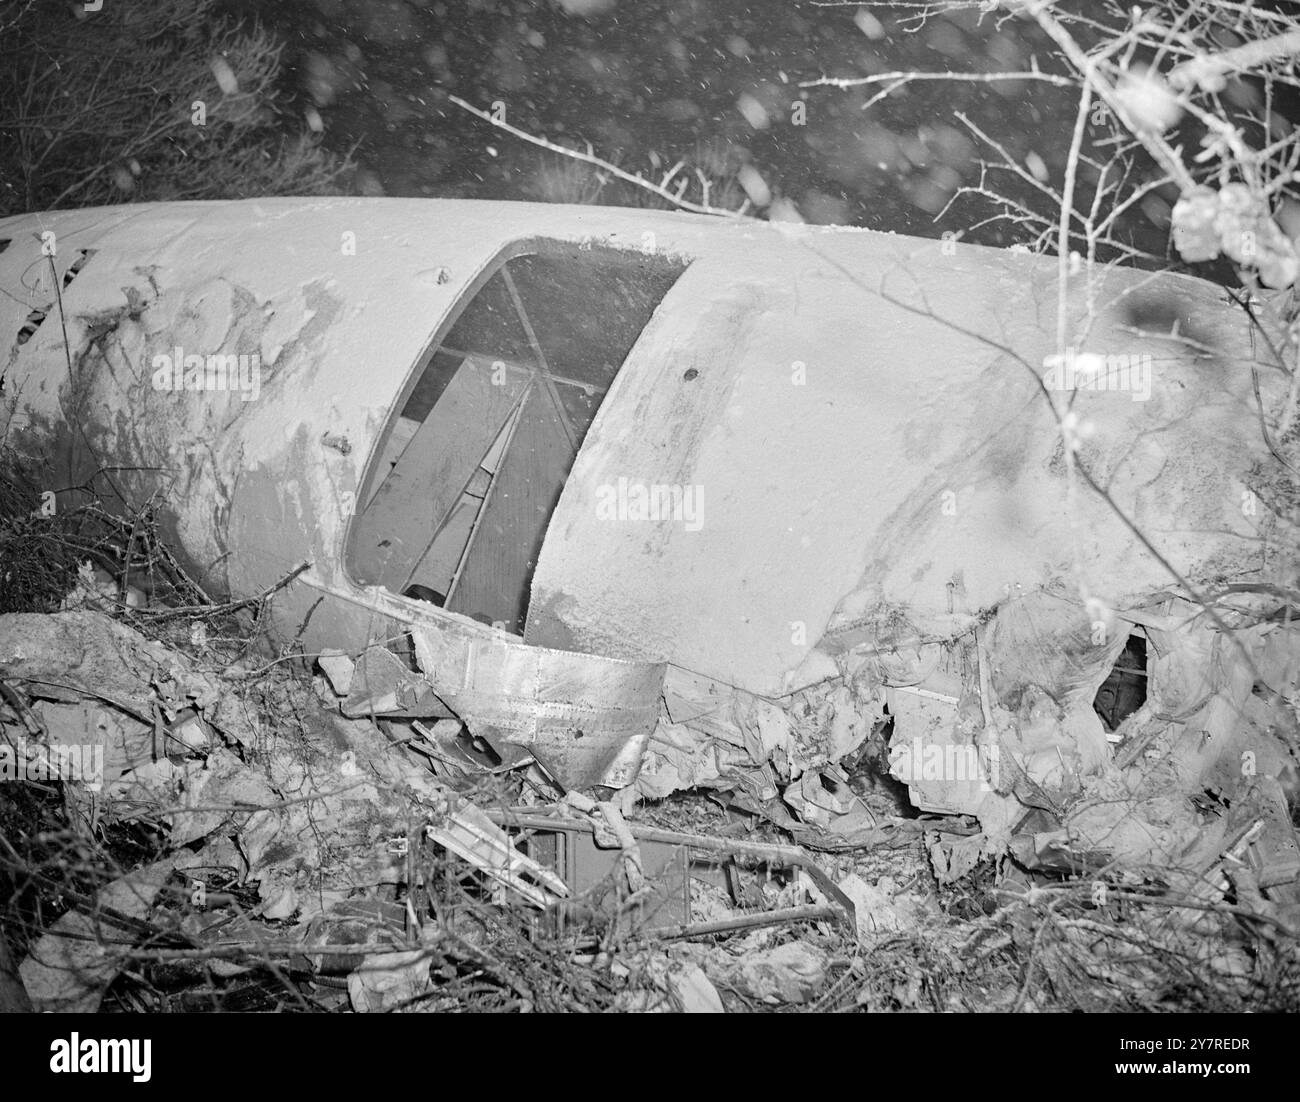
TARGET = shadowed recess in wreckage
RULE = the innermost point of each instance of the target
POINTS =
(669, 502)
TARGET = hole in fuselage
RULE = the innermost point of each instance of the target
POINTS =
(1125, 689)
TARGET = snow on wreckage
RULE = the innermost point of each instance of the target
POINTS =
(667, 502)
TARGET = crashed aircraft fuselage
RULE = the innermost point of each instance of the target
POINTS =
(613, 486)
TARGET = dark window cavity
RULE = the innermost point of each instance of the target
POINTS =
(460, 492)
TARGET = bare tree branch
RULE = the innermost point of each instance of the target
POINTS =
(675, 198)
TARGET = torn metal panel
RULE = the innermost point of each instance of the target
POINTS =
(585, 718)
(382, 686)
(1210, 751)
(454, 752)
(941, 764)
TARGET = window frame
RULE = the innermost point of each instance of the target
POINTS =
(372, 476)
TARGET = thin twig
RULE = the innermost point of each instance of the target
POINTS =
(588, 158)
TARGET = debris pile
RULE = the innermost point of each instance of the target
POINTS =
(294, 840)
(303, 856)
(1043, 812)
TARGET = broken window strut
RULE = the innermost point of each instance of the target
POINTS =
(563, 380)
(542, 366)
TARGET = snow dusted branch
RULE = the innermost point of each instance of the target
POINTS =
(1067, 210)
(896, 80)
(676, 198)
(1106, 92)
(1208, 72)
(903, 77)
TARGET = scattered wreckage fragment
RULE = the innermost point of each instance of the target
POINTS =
(298, 822)
(669, 859)
(661, 502)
